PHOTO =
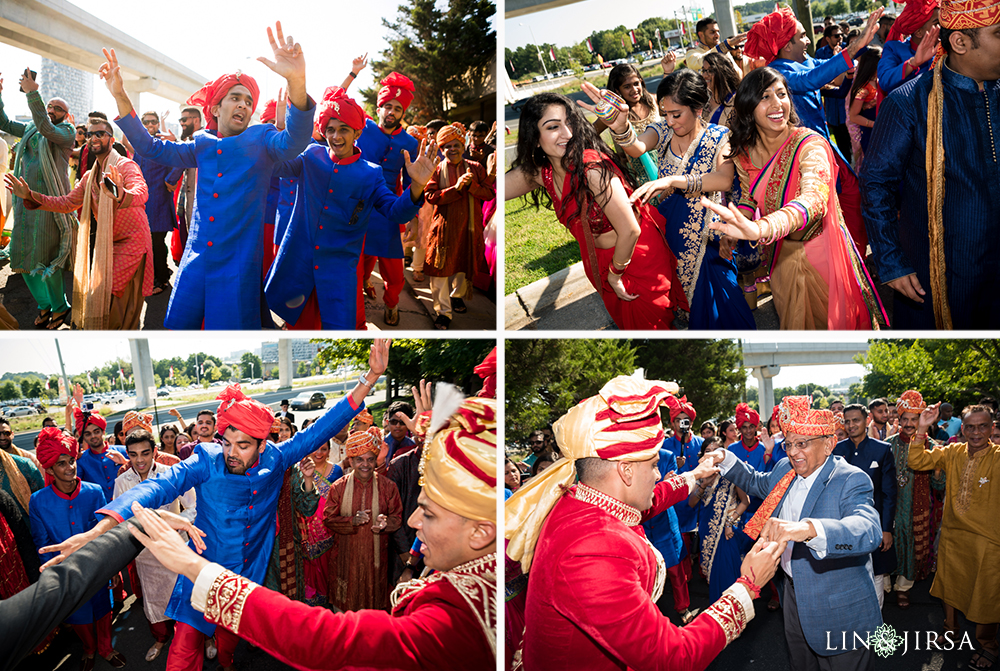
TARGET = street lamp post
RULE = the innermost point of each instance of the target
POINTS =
(537, 50)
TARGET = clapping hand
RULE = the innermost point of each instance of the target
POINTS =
(361, 517)
(380, 523)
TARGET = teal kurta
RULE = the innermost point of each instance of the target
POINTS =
(41, 240)
(30, 473)
(302, 504)
(913, 564)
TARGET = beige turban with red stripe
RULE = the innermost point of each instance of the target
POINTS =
(797, 416)
(621, 423)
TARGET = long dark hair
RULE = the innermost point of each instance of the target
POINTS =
(531, 159)
(725, 79)
(867, 69)
(617, 77)
(685, 87)
(743, 128)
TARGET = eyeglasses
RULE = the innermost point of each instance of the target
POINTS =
(801, 444)
(396, 422)
(99, 134)
(188, 118)
(150, 122)
(536, 442)
(6, 433)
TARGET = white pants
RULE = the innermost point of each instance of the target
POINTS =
(443, 289)
(881, 585)
(902, 584)
(419, 253)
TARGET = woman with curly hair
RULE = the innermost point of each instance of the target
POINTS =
(818, 279)
(562, 162)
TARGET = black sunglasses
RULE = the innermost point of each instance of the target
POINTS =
(396, 422)
(99, 134)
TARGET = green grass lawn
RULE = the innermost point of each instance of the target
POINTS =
(537, 245)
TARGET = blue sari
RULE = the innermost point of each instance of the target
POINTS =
(709, 280)
(720, 558)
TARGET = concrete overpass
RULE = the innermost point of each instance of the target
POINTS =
(64, 33)
(766, 359)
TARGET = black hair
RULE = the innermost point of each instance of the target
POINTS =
(874, 403)
(531, 159)
(742, 124)
(725, 78)
(434, 125)
(140, 436)
(119, 427)
(706, 445)
(971, 33)
(856, 406)
(478, 125)
(972, 409)
(616, 79)
(97, 114)
(205, 412)
(707, 425)
(287, 422)
(990, 401)
(399, 406)
(886, 20)
(829, 18)
(829, 30)
(704, 23)
(191, 108)
(551, 457)
(591, 469)
(725, 425)
(685, 87)
(150, 113)
(867, 69)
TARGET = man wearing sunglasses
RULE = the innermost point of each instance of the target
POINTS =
(161, 180)
(112, 240)
(823, 507)
(40, 244)
(398, 436)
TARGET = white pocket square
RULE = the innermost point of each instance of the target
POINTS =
(874, 464)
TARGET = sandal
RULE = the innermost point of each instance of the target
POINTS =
(370, 290)
(42, 320)
(773, 605)
(941, 640)
(903, 600)
(442, 323)
(58, 320)
(458, 305)
(418, 276)
(157, 290)
(979, 656)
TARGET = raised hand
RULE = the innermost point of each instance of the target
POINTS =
(613, 115)
(378, 359)
(422, 166)
(17, 186)
(116, 176)
(27, 83)
(307, 467)
(491, 165)
(737, 41)
(281, 109)
(111, 73)
(359, 63)
(928, 417)
(289, 61)
(732, 222)
(869, 32)
(668, 62)
(927, 46)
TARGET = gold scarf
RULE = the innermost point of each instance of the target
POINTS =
(935, 198)
(92, 282)
(347, 505)
(18, 483)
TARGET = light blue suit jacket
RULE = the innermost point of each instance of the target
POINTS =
(836, 593)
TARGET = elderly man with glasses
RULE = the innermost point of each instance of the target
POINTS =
(41, 242)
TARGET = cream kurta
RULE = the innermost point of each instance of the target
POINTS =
(969, 550)
(157, 581)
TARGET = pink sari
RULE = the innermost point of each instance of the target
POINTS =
(818, 279)
(318, 540)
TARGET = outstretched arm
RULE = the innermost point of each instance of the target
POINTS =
(290, 63)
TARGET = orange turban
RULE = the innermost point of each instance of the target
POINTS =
(396, 87)
(679, 405)
(243, 413)
(52, 444)
(134, 420)
(276, 425)
(212, 93)
(911, 401)
(419, 132)
(914, 14)
(964, 14)
(744, 413)
(458, 468)
(336, 104)
(363, 418)
(797, 416)
(838, 420)
(488, 371)
(84, 418)
(770, 34)
(362, 442)
(455, 131)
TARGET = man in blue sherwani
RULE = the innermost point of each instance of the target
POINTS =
(875, 458)
(954, 284)
(312, 283)
(161, 180)
(903, 58)
(98, 461)
(383, 144)
(237, 486)
(823, 506)
(219, 283)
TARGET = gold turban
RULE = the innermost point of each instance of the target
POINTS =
(362, 442)
(458, 468)
(621, 423)
(137, 420)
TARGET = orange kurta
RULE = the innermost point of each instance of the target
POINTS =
(355, 582)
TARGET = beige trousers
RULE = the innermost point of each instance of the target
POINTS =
(444, 288)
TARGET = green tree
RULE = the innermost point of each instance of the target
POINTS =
(10, 391)
(837, 7)
(251, 365)
(32, 387)
(709, 372)
(862, 5)
(545, 378)
(226, 371)
(304, 369)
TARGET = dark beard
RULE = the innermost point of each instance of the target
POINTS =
(185, 134)
(393, 127)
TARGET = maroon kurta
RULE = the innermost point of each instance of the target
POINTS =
(589, 602)
(455, 237)
(355, 582)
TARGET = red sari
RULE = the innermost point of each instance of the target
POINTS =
(652, 274)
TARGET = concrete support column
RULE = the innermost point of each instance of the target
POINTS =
(284, 364)
(765, 387)
(724, 15)
(142, 370)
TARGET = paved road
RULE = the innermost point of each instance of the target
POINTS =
(26, 440)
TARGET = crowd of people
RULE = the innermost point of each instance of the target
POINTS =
(336, 517)
(758, 169)
(887, 495)
(290, 214)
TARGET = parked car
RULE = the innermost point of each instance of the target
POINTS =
(22, 411)
(162, 392)
(309, 400)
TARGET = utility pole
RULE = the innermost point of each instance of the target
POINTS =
(62, 368)
(537, 50)
(803, 12)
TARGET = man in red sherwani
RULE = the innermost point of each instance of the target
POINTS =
(594, 577)
(113, 265)
(446, 621)
(362, 510)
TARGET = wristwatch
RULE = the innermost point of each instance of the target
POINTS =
(364, 380)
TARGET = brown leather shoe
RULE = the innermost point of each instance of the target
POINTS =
(87, 663)
(116, 659)
(903, 600)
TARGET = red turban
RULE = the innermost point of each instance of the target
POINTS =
(914, 14)
(270, 111)
(52, 444)
(243, 413)
(336, 104)
(964, 14)
(396, 87)
(797, 416)
(84, 418)
(679, 405)
(212, 93)
(775, 414)
(488, 371)
(455, 131)
(770, 34)
(744, 413)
